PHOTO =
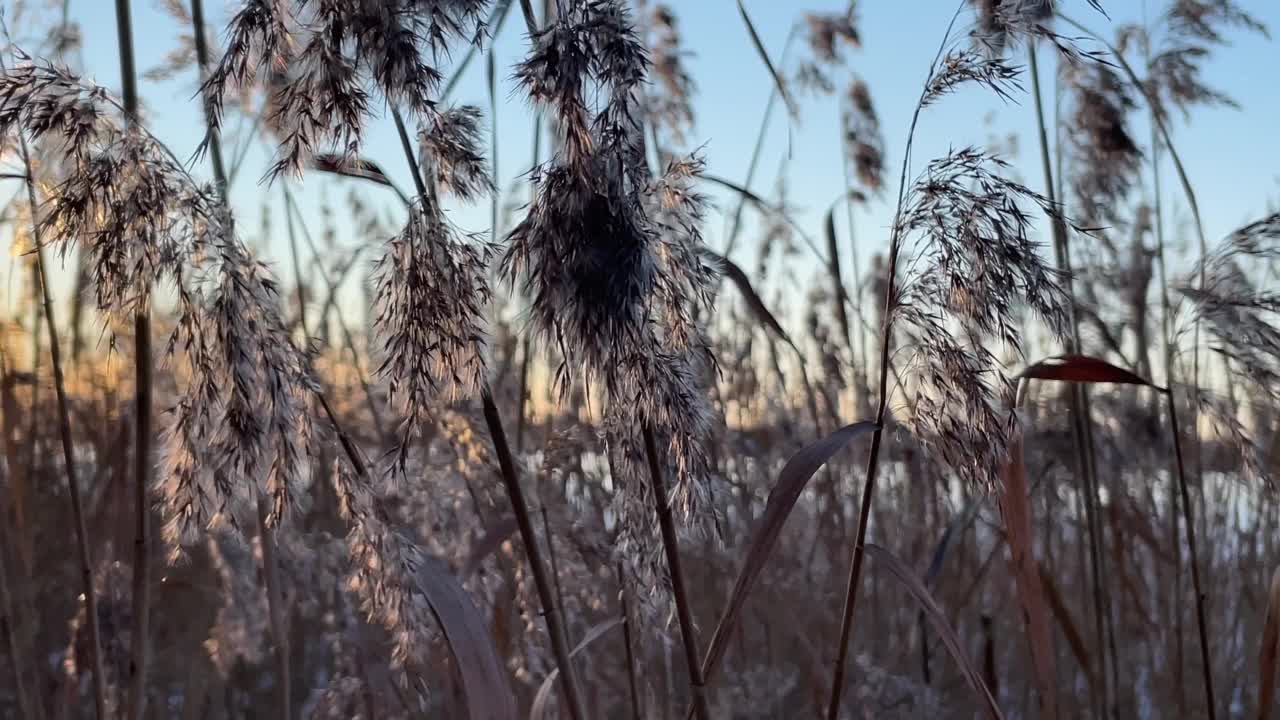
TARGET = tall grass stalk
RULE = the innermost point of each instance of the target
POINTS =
(873, 456)
(546, 594)
(679, 591)
(84, 553)
(17, 657)
(1162, 126)
(1166, 332)
(1206, 668)
(1081, 426)
(140, 654)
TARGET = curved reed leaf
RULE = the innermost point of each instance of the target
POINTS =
(764, 206)
(940, 624)
(833, 266)
(764, 55)
(484, 675)
(1082, 369)
(791, 483)
(539, 708)
(957, 525)
(754, 302)
(496, 19)
(358, 168)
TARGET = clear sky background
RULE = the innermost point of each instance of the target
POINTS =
(1232, 156)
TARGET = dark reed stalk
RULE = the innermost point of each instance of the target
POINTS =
(555, 565)
(85, 555)
(679, 591)
(1185, 181)
(298, 282)
(276, 610)
(1206, 668)
(552, 611)
(628, 628)
(861, 377)
(873, 455)
(270, 569)
(523, 393)
(1081, 427)
(17, 658)
(1166, 332)
(140, 654)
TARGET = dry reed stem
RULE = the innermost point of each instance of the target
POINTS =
(551, 610)
(140, 653)
(873, 456)
(1206, 668)
(671, 547)
(1269, 651)
(1081, 426)
(68, 455)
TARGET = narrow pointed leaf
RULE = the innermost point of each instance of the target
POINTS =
(1082, 369)
(762, 205)
(754, 302)
(358, 168)
(1070, 630)
(764, 55)
(484, 675)
(539, 708)
(496, 19)
(957, 525)
(792, 480)
(940, 624)
(833, 264)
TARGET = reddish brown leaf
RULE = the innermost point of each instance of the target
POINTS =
(1082, 369)
(1016, 509)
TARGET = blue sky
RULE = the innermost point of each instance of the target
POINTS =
(1232, 157)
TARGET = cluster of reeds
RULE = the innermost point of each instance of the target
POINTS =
(678, 524)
